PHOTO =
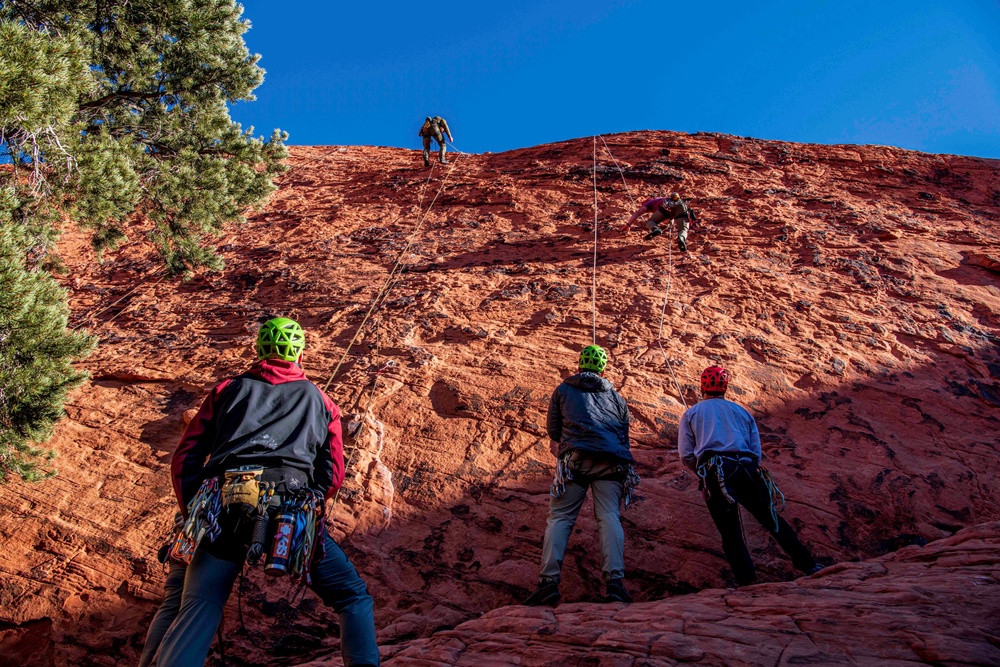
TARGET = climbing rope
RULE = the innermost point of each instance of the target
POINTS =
(391, 277)
(624, 182)
(368, 411)
(663, 312)
(91, 315)
(670, 263)
(380, 297)
(593, 287)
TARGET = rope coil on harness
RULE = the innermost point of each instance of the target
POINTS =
(307, 506)
(563, 475)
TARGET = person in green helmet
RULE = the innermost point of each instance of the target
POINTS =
(264, 444)
(434, 128)
(589, 423)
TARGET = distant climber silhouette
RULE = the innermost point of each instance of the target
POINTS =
(434, 128)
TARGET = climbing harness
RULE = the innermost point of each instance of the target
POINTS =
(564, 473)
(714, 465)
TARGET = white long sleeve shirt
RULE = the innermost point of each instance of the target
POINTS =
(716, 425)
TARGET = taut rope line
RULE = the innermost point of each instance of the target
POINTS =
(624, 182)
(392, 274)
(670, 265)
(593, 287)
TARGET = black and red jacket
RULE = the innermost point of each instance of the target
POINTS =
(270, 416)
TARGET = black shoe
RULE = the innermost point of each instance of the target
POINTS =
(547, 594)
(684, 246)
(616, 591)
(653, 233)
(427, 163)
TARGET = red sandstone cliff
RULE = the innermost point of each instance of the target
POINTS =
(853, 291)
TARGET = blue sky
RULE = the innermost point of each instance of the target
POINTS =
(920, 75)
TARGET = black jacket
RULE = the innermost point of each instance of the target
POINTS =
(270, 416)
(587, 414)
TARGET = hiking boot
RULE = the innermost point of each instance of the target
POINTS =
(547, 594)
(684, 246)
(443, 161)
(653, 233)
(616, 591)
(427, 163)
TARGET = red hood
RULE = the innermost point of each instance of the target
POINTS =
(277, 371)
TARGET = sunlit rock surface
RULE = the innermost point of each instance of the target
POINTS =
(853, 291)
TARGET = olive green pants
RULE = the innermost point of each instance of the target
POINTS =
(427, 148)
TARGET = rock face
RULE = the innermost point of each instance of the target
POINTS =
(931, 605)
(851, 291)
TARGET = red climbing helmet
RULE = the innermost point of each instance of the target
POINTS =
(714, 380)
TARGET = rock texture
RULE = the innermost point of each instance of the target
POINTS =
(932, 605)
(852, 291)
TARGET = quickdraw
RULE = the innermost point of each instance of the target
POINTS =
(703, 471)
(631, 481)
(202, 519)
(563, 475)
(307, 505)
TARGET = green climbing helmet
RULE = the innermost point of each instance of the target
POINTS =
(280, 338)
(593, 358)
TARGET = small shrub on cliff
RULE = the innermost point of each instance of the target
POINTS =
(110, 111)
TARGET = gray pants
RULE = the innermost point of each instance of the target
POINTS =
(562, 515)
(427, 148)
(172, 589)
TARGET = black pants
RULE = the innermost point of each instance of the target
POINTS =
(747, 487)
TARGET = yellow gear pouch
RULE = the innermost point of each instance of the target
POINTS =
(242, 486)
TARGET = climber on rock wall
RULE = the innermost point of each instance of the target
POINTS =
(251, 474)
(719, 441)
(434, 128)
(671, 207)
(589, 422)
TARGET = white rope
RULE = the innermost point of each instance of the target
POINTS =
(663, 312)
(593, 288)
(392, 274)
(624, 182)
(670, 264)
